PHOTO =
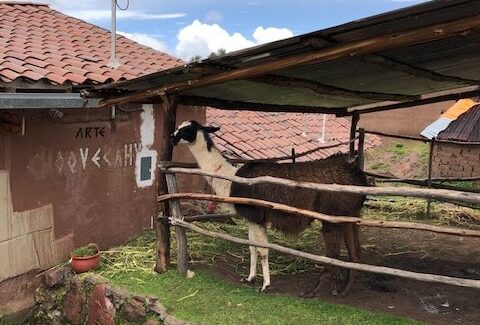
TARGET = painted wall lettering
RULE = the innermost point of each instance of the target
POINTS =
(90, 132)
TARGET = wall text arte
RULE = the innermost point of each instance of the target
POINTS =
(90, 132)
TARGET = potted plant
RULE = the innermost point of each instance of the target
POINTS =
(85, 258)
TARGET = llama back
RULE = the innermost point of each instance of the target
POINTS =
(334, 169)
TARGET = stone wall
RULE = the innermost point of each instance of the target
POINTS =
(66, 298)
(453, 160)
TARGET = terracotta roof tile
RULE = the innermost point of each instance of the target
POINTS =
(260, 135)
(66, 50)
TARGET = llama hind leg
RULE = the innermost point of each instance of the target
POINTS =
(259, 234)
(352, 242)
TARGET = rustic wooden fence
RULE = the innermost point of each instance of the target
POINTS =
(170, 169)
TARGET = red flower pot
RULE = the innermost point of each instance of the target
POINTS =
(86, 263)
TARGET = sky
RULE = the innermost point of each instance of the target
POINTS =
(199, 27)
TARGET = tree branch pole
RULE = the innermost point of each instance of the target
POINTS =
(429, 181)
(321, 216)
(331, 261)
(180, 235)
(168, 115)
(436, 194)
(353, 130)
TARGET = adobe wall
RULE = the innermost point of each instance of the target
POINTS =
(405, 121)
(451, 160)
(73, 179)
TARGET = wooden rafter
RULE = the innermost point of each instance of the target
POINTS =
(428, 99)
(228, 104)
(392, 64)
(324, 89)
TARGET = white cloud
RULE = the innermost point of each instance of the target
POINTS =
(270, 34)
(96, 15)
(202, 39)
(147, 40)
(214, 17)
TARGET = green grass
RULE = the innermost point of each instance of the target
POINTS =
(208, 300)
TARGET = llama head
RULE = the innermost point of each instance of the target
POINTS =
(188, 131)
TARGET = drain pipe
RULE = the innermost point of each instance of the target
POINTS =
(114, 63)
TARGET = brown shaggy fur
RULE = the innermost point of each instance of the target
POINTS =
(334, 169)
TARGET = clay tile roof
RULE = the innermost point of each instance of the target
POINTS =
(37, 42)
(260, 135)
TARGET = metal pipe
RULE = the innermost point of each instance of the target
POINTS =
(113, 63)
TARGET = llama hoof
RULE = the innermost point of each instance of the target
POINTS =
(248, 281)
(264, 289)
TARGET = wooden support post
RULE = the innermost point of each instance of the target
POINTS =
(429, 179)
(353, 129)
(180, 235)
(167, 115)
(361, 148)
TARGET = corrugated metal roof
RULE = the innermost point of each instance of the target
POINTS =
(420, 50)
(465, 128)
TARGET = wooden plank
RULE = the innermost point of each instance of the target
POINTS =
(436, 194)
(162, 227)
(331, 261)
(180, 235)
(322, 216)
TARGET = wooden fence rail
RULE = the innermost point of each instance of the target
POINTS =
(331, 261)
(321, 216)
(437, 194)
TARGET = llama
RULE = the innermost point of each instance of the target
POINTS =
(331, 170)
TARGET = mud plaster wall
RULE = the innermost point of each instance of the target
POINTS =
(451, 160)
(406, 121)
(74, 178)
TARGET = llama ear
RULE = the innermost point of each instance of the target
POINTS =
(211, 129)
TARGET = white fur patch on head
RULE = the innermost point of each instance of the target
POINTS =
(184, 124)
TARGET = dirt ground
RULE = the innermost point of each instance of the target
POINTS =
(408, 250)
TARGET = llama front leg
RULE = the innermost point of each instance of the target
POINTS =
(253, 255)
(258, 233)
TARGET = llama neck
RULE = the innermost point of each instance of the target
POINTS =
(213, 161)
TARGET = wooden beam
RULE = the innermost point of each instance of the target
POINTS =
(335, 262)
(327, 89)
(392, 64)
(361, 47)
(167, 117)
(234, 105)
(337, 188)
(321, 216)
(408, 137)
(426, 99)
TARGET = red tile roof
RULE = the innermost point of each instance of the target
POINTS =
(37, 42)
(260, 135)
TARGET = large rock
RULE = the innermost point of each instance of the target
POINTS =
(100, 309)
(135, 311)
(73, 302)
(57, 276)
